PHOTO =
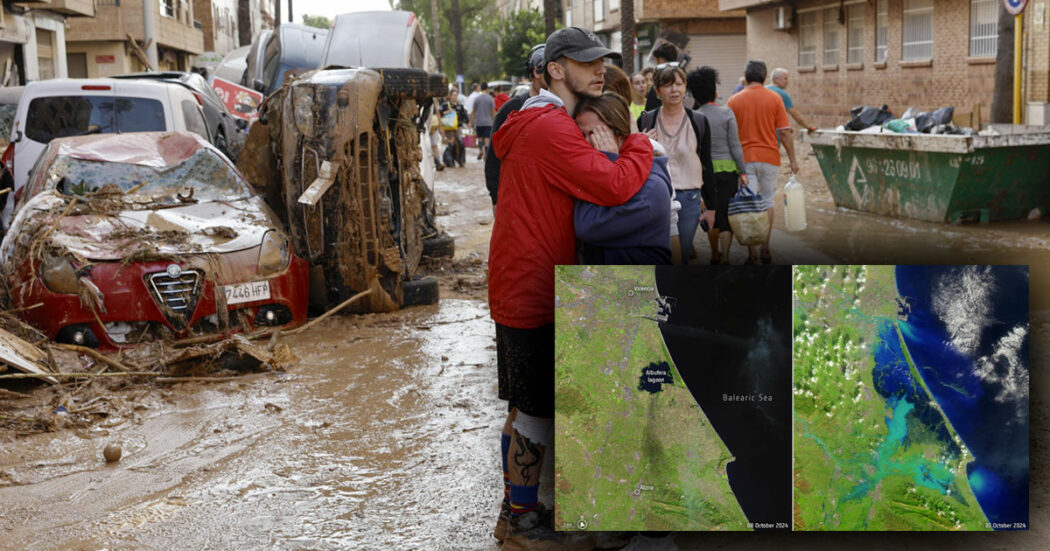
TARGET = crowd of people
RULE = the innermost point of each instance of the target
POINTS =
(595, 166)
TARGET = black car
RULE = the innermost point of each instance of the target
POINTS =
(226, 130)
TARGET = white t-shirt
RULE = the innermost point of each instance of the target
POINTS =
(470, 101)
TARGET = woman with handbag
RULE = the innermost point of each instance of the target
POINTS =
(727, 157)
(453, 117)
(686, 136)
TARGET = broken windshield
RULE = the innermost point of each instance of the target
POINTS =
(200, 177)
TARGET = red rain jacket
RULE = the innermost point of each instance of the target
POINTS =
(546, 164)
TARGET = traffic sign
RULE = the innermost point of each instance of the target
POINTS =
(1015, 7)
(460, 79)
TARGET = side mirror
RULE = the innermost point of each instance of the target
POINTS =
(18, 136)
(257, 85)
(241, 124)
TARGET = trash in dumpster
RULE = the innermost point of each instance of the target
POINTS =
(864, 116)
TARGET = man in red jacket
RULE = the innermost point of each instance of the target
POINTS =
(546, 163)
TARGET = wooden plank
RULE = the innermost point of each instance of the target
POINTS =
(22, 355)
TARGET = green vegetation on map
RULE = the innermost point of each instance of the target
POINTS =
(863, 461)
(627, 458)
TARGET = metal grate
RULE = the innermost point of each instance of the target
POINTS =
(855, 33)
(984, 33)
(831, 36)
(807, 39)
(179, 294)
(881, 29)
(917, 37)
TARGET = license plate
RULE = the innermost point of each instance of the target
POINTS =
(246, 292)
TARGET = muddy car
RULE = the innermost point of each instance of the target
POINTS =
(338, 157)
(128, 238)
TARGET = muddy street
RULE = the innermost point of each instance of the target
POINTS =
(384, 432)
(381, 434)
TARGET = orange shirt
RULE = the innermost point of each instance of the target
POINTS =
(759, 114)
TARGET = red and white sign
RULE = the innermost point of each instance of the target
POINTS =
(242, 102)
(105, 59)
(1015, 7)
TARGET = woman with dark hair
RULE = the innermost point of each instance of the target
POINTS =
(637, 231)
(727, 157)
(686, 137)
(616, 81)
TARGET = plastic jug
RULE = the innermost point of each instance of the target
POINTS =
(794, 206)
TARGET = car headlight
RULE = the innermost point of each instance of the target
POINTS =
(58, 275)
(303, 110)
(273, 254)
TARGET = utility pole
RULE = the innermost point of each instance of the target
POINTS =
(548, 16)
(627, 32)
(290, 18)
(149, 31)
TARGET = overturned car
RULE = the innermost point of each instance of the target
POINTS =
(338, 157)
(128, 238)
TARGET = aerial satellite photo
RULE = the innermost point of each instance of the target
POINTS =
(673, 396)
(910, 397)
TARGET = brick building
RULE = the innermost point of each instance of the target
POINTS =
(218, 19)
(921, 53)
(710, 35)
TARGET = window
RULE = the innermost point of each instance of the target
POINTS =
(882, 17)
(855, 34)
(807, 39)
(614, 5)
(60, 116)
(599, 10)
(193, 119)
(831, 36)
(568, 12)
(45, 54)
(167, 8)
(917, 37)
(983, 31)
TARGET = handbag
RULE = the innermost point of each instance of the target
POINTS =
(748, 218)
(449, 121)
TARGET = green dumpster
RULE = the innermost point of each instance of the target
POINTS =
(939, 178)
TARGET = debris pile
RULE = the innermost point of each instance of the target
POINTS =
(874, 120)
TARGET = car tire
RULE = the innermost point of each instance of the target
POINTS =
(441, 245)
(438, 84)
(420, 291)
(410, 84)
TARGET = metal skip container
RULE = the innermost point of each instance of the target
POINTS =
(938, 178)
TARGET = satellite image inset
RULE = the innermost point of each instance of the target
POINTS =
(910, 397)
(672, 404)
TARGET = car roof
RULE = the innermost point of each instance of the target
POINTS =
(301, 45)
(153, 149)
(60, 86)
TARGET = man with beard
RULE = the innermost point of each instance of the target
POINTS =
(547, 162)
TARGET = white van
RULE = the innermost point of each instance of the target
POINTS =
(58, 108)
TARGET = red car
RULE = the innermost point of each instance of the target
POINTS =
(127, 238)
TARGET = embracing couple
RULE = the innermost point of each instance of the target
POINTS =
(561, 180)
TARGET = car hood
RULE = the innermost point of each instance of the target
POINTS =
(202, 228)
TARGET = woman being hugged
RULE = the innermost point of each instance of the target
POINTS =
(686, 137)
(637, 231)
(727, 157)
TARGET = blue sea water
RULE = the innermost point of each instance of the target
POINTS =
(996, 432)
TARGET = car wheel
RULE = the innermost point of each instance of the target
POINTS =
(421, 291)
(441, 245)
(411, 84)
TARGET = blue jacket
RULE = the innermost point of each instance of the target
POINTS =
(637, 232)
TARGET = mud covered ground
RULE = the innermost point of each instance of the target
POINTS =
(384, 434)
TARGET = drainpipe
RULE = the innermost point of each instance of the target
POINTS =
(149, 29)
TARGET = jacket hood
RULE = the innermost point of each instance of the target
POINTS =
(516, 122)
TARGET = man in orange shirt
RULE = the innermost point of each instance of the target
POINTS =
(760, 116)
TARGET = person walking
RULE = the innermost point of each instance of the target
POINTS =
(727, 157)
(779, 84)
(481, 118)
(666, 55)
(686, 136)
(546, 164)
(639, 89)
(762, 121)
(453, 118)
(533, 68)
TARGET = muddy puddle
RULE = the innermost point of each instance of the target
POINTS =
(381, 433)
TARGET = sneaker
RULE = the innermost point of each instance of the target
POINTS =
(533, 532)
(641, 542)
(502, 523)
